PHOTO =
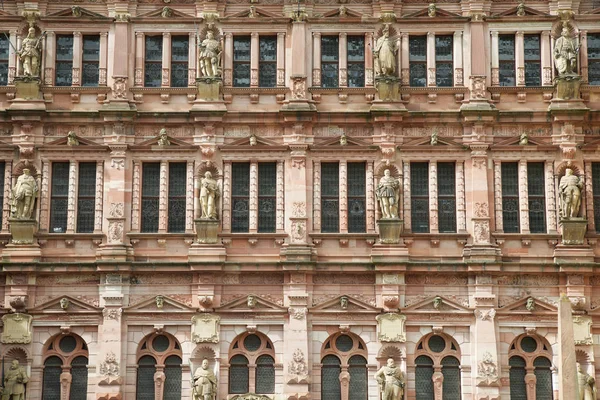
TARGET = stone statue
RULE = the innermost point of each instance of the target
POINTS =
(343, 140)
(434, 138)
(252, 13)
(167, 12)
(587, 385)
(253, 141)
(391, 381)
(205, 383)
(163, 139)
(437, 302)
(569, 190)
(388, 194)
(24, 195)
(210, 56)
(385, 54)
(524, 138)
(160, 301)
(64, 303)
(209, 192)
(14, 382)
(565, 53)
(343, 11)
(530, 305)
(29, 54)
(521, 9)
(72, 139)
(432, 10)
(344, 302)
(251, 301)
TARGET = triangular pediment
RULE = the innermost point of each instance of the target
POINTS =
(164, 12)
(260, 141)
(251, 303)
(344, 304)
(441, 305)
(520, 306)
(154, 142)
(439, 13)
(82, 142)
(77, 12)
(151, 305)
(515, 141)
(74, 305)
(351, 143)
(253, 12)
(514, 12)
(442, 142)
(342, 12)
(594, 11)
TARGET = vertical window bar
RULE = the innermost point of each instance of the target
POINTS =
(64, 60)
(267, 196)
(596, 191)
(241, 61)
(419, 196)
(446, 178)
(330, 197)
(267, 61)
(506, 59)
(537, 197)
(357, 197)
(86, 197)
(59, 197)
(179, 60)
(240, 197)
(153, 61)
(533, 60)
(150, 196)
(356, 61)
(4, 52)
(593, 43)
(330, 58)
(417, 59)
(510, 197)
(176, 203)
(90, 61)
(444, 61)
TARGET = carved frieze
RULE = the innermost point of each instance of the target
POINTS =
(436, 279)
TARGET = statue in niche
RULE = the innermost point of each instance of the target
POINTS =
(385, 54)
(565, 53)
(209, 192)
(24, 195)
(72, 139)
(432, 10)
(587, 385)
(569, 190)
(14, 382)
(64, 303)
(530, 305)
(29, 54)
(205, 383)
(391, 381)
(210, 56)
(388, 194)
(163, 139)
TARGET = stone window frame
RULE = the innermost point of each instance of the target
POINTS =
(516, 350)
(237, 347)
(173, 349)
(52, 349)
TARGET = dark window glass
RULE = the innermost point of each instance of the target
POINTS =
(528, 344)
(357, 198)
(177, 186)
(518, 390)
(59, 197)
(51, 380)
(64, 60)
(267, 203)
(2, 172)
(330, 197)
(357, 368)
(86, 197)
(543, 375)
(153, 61)
(451, 384)
(145, 378)
(444, 62)
(4, 51)
(267, 61)
(179, 61)
(238, 374)
(417, 59)
(161, 343)
(506, 59)
(240, 197)
(593, 43)
(90, 60)
(344, 343)
(241, 61)
(537, 197)
(252, 342)
(423, 378)
(330, 57)
(596, 188)
(172, 378)
(79, 375)
(356, 61)
(419, 197)
(436, 343)
(533, 61)
(150, 196)
(265, 374)
(330, 378)
(510, 197)
(446, 178)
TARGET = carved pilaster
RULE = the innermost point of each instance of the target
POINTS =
(433, 197)
(523, 197)
(550, 198)
(71, 198)
(406, 193)
(498, 195)
(162, 197)
(461, 218)
(343, 197)
(589, 197)
(281, 59)
(44, 197)
(135, 198)
(99, 197)
(370, 198)
(253, 212)
(317, 196)
(189, 198)
(227, 197)
(7, 195)
(280, 199)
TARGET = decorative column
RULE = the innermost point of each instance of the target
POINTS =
(430, 59)
(520, 58)
(190, 197)
(480, 228)
(404, 59)
(139, 59)
(316, 74)
(433, 198)
(71, 197)
(103, 60)
(317, 196)
(458, 59)
(192, 58)
(12, 58)
(166, 59)
(49, 57)
(589, 197)
(406, 196)
(280, 198)
(498, 196)
(343, 196)
(495, 59)
(461, 218)
(583, 56)
(253, 200)
(369, 82)
(228, 60)
(44, 197)
(226, 196)
(550, 198)
(281, 59)
(135, 197)
(19, 68)
(343, 57)
(370, 185)
(254, 57)
(523, 198)
(546, 59)
(7, 195)
(121, 51)
(98, 203)
(163, 197)
(77, 54)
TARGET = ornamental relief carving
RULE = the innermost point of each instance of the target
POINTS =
(344, 279)
(436, 279)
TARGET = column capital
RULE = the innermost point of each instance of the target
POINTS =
(49, 34)
(166, 34)
(368, 34)
(139, 34)
(430, 34)
(77, 34)
(254, 34)
(494, 34)
(192, 34)
(458, 33)
(519, 33)
(343, 34)
(281, 34)
(228, 35)
(103, 34)
(546, 33)
(404, 35)
(317, 35)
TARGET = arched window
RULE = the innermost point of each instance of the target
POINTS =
(65, 354)
(518, 391)
(543, 375)
(357, 367)
(159, 368)
(251, 364)
(437, 355)
(530, 353)
(330, 378)
(344, 353)
(52, 371)
(173, 378)
(424, 378)
(145, 378)
(451, 372)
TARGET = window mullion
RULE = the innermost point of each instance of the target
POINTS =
(103, 59)
(49, 57)
(458, 58)
(162, 197)
(12, 58)
(139, 59)
(253, 209)
(583, 54)
(370, 197)
(407, 197)
(523, 197)
(546, 59)
(189, 194)
(135, 197)
(227, 60)
(317, 196)
(99, 196)
(166, 60)
(77, 53)
(550, 198)
(343, 197)
(7, 195)
(498, 195)
(226, 214)
(316, 77)
(520, 58)
(254, 56)
(431, 81)
(343, 59)
(495, 59)
(72, 197)
(433, 198)
(280, 198)
(461, 217)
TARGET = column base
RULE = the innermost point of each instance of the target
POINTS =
(117, 252)
(482, 253)
(299, 105)
(388, 89)
(206, 231)
(209, 89)
(390, 230)
(395, 253)
(22, 253)
(294, 252)
(207, 252)
(22, 231)
(572, 253)
(28, 87)
(573, 231)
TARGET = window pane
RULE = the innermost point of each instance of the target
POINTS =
(329, 61)
(451, 384)
(444, 67)
(356, 198)
(145, 378)
(596, 189)
(86, 200)
(329, 75)
(506, 56)
(265, 375)
(79, 374)
(267, 203)
(153, 61)
(533, 65)
(330, 378)
(510, 197)
(330, 201)
(417, 46)
(518, 390)
(543, 375)
(177, 187)
(150, 196)
(51, 379)
(240, 201)
(267, 66)
(4, 51)
(241, 61)
(268, 48)
(238, 374)
(172, 378)
(358, 378)
(179, 61)
(90, 60)
(423, 378)
(356, 61)
(64, 60)
(419, 192)
(537, 202)
(446, 197)
(59, 199)
(593, 42)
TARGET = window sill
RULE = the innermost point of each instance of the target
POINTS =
(70, 238)
(252, 238)
(163, 90)
(344, 238)
(435, 238)
(80, 89)
(161, 238)
(255, 90)
(517, 89)
(436, 89)
(349, 90)
(552, 238)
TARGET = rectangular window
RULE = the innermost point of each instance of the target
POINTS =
(506, 59)
(330, 58)
(59, 197)
(64, 60)
(417, 59)
(2, 172)
(150, 196)
(330, 197)
(267, 61)
(356, 61)
(537, 197)
(86, 197)
(593, 42)
(90, 61)
(240, 197)
(533, 60)
(179, 61)
(419, 196)
(357, 197)
(446, 178)
(176, 207)
(510, 197)
(267, 192)
(596, 189)
(444, 61)
(4, 51)
(153, 61)
(241, 61)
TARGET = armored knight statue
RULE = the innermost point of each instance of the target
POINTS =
(391, 381)
(14, 382)
(388, 194)
(210, 56)
(385, 54)
(587, 385)
(569, 190)
(209, 192)
(205, 383)
(24, 195)
(29, 54)
(565, 53)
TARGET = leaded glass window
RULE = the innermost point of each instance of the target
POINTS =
(537, 197)
(90, 60)
(86, 197)
(518, 390)
(145, 378)
(357, 197)
(51, 379)
(265, 374)
(238, 375)
(444, 62)
(153, 61)
(172, 378)
(417, 60)
(59, 197)
(267, 61)
(79, 375)
(533, 60)
(451, 384)
(240, 197)
(356, 61)
(357, 368)
(446, 178)
(543, 375)
(179, 60)
(419, 196)
(330, 58)
(267, 192)
(593, 48)
(510, 197)
(330, 197)
(150, 196)
(424, 378)
(330, 378)
(64, 60)
(4, 52)
(596, 189)
(241, 61)
(506, 59)
(177, 187)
